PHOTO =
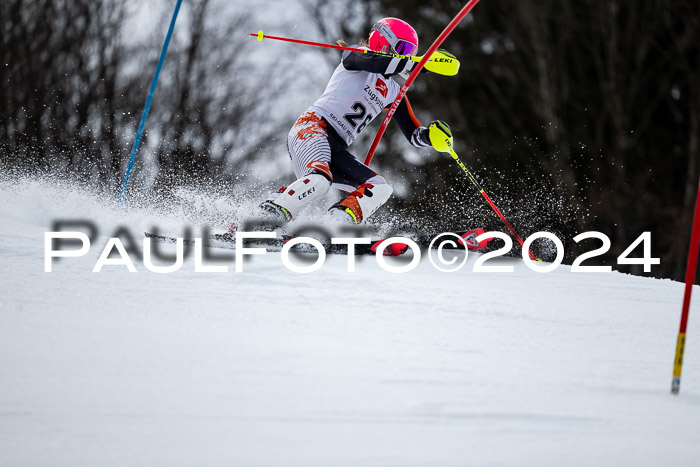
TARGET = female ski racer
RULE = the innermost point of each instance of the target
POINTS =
(360, 88)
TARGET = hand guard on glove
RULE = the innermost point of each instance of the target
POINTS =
(439, 136)
(443, 63)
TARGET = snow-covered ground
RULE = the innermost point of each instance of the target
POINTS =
(268, 367)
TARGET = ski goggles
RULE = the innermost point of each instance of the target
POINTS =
(403, 47)
(398, 46)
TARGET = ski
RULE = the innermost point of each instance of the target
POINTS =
(228, 242)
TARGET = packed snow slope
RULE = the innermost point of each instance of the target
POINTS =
(267, 367)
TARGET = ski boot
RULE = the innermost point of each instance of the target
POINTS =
(361, 203)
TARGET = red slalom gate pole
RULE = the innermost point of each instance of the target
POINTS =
(689, 280)
(404, 89)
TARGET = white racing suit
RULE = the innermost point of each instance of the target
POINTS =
(360, 88)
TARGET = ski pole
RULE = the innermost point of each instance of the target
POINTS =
(262, 36)
(478, 186)
(445, 64)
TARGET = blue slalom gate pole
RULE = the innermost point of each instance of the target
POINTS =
(147, 107)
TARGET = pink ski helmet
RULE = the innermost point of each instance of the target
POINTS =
(392, 35)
